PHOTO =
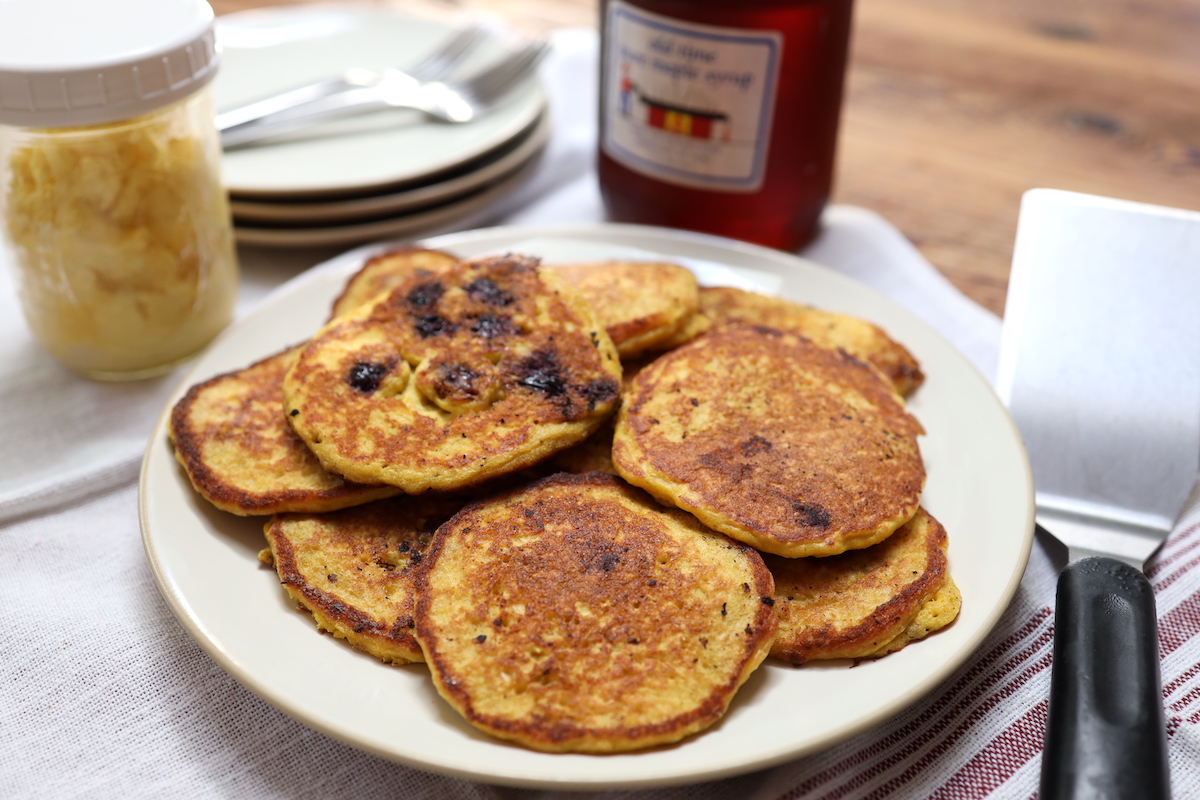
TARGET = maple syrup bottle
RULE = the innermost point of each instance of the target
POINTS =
(722, 115)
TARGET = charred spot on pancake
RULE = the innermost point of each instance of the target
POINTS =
(601, 390)
(424, 295)
(755, 445)
(459, 385)
(608, 561)
(724, 460)
(908, 374)
(366, 376)
(542, 372)
(490, 326)
(852, 359)
(434, 325)
(459, 379)
(487, 291)
(811, 515)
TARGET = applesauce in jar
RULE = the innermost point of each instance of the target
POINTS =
(118, 228)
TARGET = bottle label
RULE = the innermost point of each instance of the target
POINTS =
(686, 103)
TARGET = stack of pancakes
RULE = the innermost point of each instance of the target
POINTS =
(593, 498)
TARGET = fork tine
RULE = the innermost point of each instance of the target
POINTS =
(446, 57)
(436, 65)
(489, 85)
(450, 101)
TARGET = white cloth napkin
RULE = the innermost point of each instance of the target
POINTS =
(105, 695)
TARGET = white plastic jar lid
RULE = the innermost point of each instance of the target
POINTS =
(84, 62)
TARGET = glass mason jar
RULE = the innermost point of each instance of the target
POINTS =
(722, 117)
(118, 227)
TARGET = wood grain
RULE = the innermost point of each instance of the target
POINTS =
(954, 108)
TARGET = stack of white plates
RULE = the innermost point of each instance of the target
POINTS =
(378, 175)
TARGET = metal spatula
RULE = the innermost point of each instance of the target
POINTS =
(1100, 368)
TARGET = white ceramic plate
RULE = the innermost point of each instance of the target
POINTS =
(979, 486)
(457, 213)
(248, 212)
(269, 50)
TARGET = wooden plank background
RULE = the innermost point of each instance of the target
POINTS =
(956, 107)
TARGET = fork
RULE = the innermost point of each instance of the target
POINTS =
(440, 63)
(453, 101)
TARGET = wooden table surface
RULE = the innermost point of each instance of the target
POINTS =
(955, 107)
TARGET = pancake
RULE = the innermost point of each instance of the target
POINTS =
(486, 368)
(578, 615)
(696, 325)
(240, 454)
(793, 448)
(937, 612)
(594, 454)
(235, 443)
(865, 603)
(724, 305)
(384, 271)
(640, 304)
(354, 569)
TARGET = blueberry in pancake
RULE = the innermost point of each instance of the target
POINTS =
(240, 454)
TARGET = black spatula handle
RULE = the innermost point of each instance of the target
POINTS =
(1106, 736)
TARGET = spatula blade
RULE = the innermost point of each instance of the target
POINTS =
(1100, 361)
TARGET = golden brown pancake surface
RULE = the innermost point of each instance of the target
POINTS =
(382, 272)
(579, 615)
(796, 449)
(640, 304)
(240, 454)
(355, 569)
(864, 602)
(722, 305)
